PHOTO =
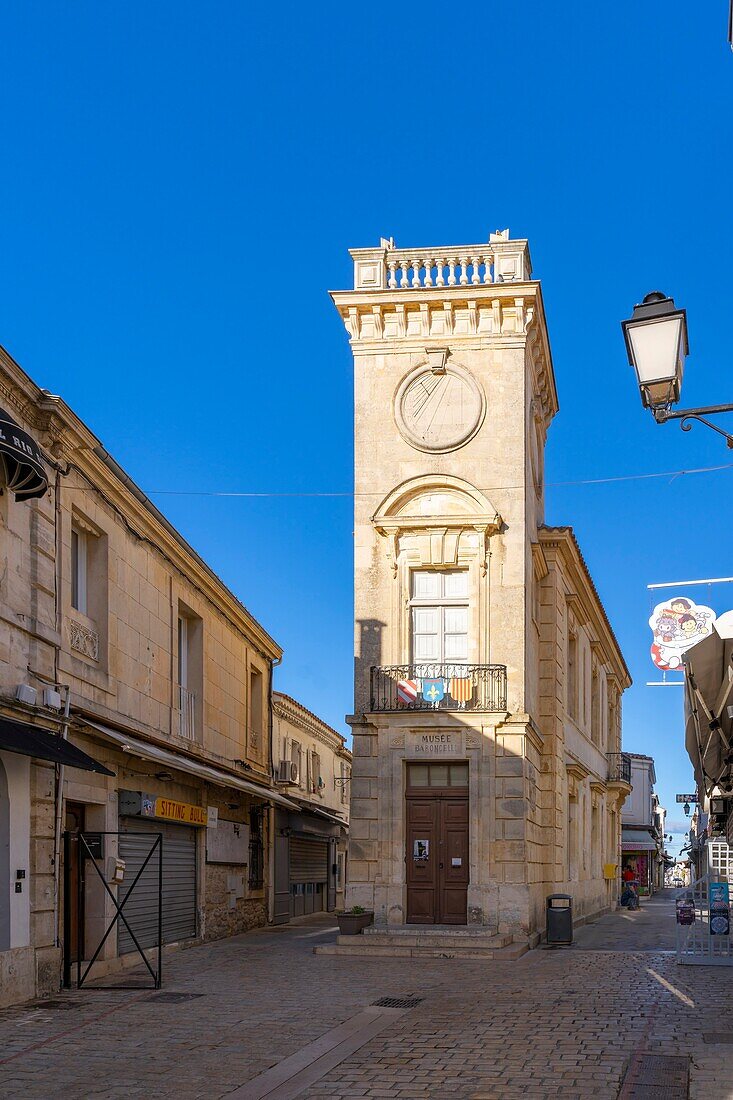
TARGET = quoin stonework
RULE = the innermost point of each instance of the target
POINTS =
(487, 768)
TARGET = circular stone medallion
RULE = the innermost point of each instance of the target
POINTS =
(438, 410)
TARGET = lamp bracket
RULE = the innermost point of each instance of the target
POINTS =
(687, 415)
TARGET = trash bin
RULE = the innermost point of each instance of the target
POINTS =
(559, 918)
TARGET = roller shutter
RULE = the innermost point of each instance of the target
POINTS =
(179, 884)
(308, 860)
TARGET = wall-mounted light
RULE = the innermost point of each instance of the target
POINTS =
(164, 777)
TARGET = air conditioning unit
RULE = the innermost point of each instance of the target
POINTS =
(287, 772)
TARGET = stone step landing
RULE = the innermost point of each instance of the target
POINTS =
(364, 948)
(413, 937)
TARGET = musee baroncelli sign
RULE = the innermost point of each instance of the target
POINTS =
(434, 743)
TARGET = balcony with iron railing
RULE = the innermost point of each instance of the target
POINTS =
(619, 767)
(447, 687)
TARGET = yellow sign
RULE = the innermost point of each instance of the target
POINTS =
(181, 812)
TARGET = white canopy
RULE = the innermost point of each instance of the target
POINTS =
(708, 694)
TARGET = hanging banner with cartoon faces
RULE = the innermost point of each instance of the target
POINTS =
(677, 624)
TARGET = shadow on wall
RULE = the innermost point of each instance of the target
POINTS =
(369, 654)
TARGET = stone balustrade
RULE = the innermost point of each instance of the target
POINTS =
(390, 268)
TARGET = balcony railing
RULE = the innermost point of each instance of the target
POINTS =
(187, 707)
(619, 767)
(438, 687)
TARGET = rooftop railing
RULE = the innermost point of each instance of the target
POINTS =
(388, 268)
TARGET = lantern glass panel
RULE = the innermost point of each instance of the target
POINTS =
(655, 347)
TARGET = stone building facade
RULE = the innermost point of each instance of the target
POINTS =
(487, 766)
(168, 681)
(313, 766)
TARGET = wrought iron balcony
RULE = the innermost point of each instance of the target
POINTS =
(619, 767)
(438, 687)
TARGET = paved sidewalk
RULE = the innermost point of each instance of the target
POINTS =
(556, 1023)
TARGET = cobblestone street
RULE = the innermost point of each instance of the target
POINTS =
(543, 1026)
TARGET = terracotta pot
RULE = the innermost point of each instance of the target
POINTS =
(351, 924)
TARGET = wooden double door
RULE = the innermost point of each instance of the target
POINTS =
(437, 856)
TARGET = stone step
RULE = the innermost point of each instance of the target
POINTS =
(462, 930)
(430, 939)
(364, 949)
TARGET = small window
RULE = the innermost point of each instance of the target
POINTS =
(256, 730)
(437, 775)
(345, 779)
(316, 772)
(79, 559)
(572, 690)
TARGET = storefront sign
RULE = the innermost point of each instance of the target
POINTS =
(182, 812)
(435, 743)
(140, 804)
(719, 902)
(677, 624)
(686, 798)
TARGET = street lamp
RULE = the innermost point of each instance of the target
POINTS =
(656, 343)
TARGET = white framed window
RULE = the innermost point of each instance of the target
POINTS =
(182, 651)
(439, 616)
(719, 857)
(79, 570)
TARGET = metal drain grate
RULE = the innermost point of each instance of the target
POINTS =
(396, 1002)
(721, 1037)
(56, 1005)
(172, 998)
(657, 1075)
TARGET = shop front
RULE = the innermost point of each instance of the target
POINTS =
(306, 863)
(180, 824)
(638, 859)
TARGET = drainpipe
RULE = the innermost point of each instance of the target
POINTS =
(59, 812)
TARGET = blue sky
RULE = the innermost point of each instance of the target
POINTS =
(181, 183)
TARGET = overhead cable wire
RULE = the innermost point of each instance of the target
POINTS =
(483, 489)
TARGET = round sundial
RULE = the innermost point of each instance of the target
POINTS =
(438, 408)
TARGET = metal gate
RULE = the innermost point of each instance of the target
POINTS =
(89, 851)
(179, 885)
(703, 923)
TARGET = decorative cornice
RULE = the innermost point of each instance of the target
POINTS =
(66, 437)
(506, 314)
(284, 706)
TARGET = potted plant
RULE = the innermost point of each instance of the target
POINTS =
(352, 921)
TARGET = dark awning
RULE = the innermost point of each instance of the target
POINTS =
(25, 474)
(32, 741)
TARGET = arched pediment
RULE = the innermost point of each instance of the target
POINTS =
(433, 514)
(432, 500)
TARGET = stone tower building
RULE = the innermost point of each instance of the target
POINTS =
(487, 678)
